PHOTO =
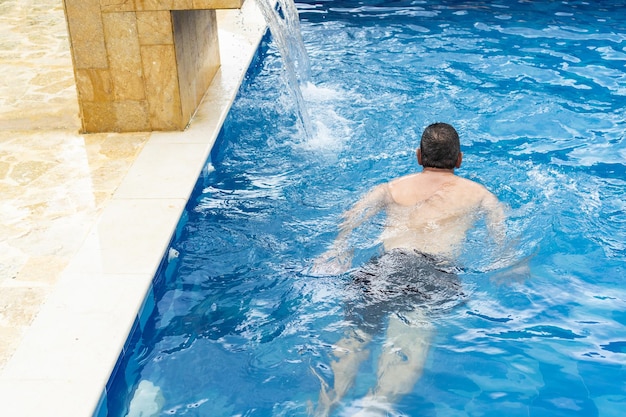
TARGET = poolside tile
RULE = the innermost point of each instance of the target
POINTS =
(28, 398)
(131, 237)
(164, 171)
(97, 313)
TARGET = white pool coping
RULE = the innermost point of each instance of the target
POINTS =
(66, 356)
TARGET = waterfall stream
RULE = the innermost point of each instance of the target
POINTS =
(284, 25)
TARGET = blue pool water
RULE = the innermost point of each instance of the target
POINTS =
(537, 91)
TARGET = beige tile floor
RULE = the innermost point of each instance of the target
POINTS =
(84, 219)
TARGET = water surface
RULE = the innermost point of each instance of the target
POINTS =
(537, 91)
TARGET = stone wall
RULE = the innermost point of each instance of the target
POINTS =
(142, 65)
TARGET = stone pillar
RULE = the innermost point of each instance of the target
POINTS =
(142, 65)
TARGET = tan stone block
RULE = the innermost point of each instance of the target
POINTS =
(162, 89)
(122, 41)
(125, 116)
(89, 54)
(217, 4)
(132, 116)
(154, 4)
(84, 17)
(182, 5)
(187, 4)
(94, 85)
(155, 28)
(117, 5)
(86, 33)
(98, 116)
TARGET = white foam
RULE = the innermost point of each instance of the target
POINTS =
(314, 93)
(370, 407)
(332, 130)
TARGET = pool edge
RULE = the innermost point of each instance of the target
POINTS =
(64, 361)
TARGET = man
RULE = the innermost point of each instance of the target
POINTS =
(427, 217)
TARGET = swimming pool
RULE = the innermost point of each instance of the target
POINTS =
(235, 325)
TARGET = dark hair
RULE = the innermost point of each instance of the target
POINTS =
(440, 146)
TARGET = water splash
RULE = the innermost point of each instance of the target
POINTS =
(284, 25)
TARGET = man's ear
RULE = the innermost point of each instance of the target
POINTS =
(459, 160)
(419, 156)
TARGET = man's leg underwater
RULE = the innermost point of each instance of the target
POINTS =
(350, 352)
(401, 362)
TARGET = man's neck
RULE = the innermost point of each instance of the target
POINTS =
(433, 170)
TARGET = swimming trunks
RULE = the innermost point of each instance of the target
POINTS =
(400, 281)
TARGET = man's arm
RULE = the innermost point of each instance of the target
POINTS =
(339, 257)
(509, 267)
(369, 205)
(496, 224)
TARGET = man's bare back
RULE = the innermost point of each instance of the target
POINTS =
(432, 211)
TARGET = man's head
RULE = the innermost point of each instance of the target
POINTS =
(440, 147)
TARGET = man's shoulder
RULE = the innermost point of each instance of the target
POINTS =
(403, 178)
(471, 184)
(477, 192)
